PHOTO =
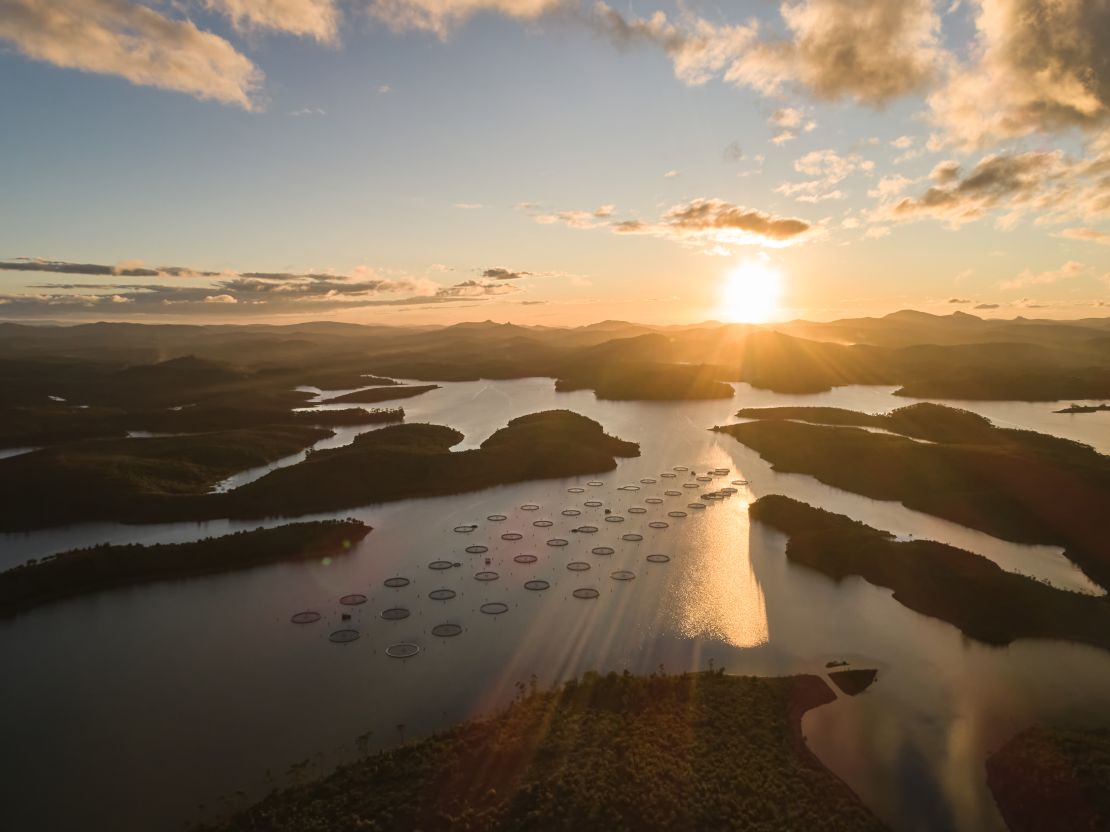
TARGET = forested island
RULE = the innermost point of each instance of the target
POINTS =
(1016, 485)
(169, 479)
(614, 752)
(373, 395)
(965, 589)
(1053, 778)
(97, 568)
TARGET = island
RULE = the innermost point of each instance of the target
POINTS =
(620, 752)
(1053, 778)
(381, 394)
(403, 461)
(965, 589)
(1084, 408)
(84, 571)
(1017, 485)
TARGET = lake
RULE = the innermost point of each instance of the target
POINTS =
(162, 704)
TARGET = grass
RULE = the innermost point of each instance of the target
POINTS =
(615, 752)
(966, 590)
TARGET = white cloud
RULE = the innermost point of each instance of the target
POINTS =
(318, 19)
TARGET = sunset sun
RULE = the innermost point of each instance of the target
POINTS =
(750, 293)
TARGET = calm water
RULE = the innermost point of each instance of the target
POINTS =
(136, 706)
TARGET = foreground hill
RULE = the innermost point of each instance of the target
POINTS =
(698, 751)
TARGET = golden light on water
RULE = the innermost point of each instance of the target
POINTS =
(751, 293)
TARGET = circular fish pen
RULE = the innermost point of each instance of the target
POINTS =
(632, 537)
(486, 576)
(680, 468)
(575, 490)
(404, 650)
(578, 566)
(570, 512)
(595, 483)
(586, 529)
(497, 518)
(353, 600)
(622, 575)
(668, 475)
(658, 559)
(512, 536)
(525, 559)
(343, 636)
(586, 592)
(629, 488)
(306, 617)
(676, 514)
(704, 479)
(557, 541)
(614, 518)
(603, 550)
(653, 501)
(529, 507)
(739, 482)
(543, 524)
(648, 481)
(442, 594)
(637, 510)
(537, 586)
(493, 608)
(713, 495)
(446, 630)
(658, 524)
(593, 504)
(396, 583)
(696, 505)
(477, 550)
(464, 529)
(440, 565)
(395, 614)
(690, 485)
(673, 493)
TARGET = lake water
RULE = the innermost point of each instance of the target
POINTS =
(130, 709)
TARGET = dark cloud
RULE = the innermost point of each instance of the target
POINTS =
(959, 300)
(713, 215)
(35, 264)
(499, 273)
(987, 305)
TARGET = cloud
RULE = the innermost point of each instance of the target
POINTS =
(987, 305)
(317, 19)
(574, 219)
(250, 292)
(714, 222)
(308, 111)
(468, 206)
(1087, 235)
(959, 300)
(132, 41)
(504, 274)
(831, 168)
(671, 174)
(1068, 270)
(1035, 66)
(1048, 183)
(889, 186)
(441, 16)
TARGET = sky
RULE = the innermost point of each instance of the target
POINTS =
(552, 162)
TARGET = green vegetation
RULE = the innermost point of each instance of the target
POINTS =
(131, 480)
(1053, 778)
(616, 752)
(84, 571)
(962, 588)
(381, 394)
(1016, 485)
(403, 461)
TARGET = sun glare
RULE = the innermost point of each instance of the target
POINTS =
(751, 293)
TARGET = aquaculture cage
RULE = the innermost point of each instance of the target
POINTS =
(622, 575)
(525, 559)
(395, 614)
(676, 514)
(658, 524)
(494, 608)
(403, 650)
(529, 507)
(442, 594)
(512, 536)
(578, 566)
(673, 493)
(632, 537)
(396, 583)
(602, 550)
(695, 505)
(614, 518)
(446, 630)
(586, 529)
(497, 518)
(557, 541)
(353, 600)
(575, 490)
(343, 636)
(465, 529)
(486, 576)
(440, 565)
(542, 524)
(570, 512)
(305, 617)
(658, 558)
(637, 510)
(595, 483)
(537, 585)
(593, 504)
(654, 501)
(586, 592)
(476, 550)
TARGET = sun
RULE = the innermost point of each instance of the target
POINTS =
(751, 293)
